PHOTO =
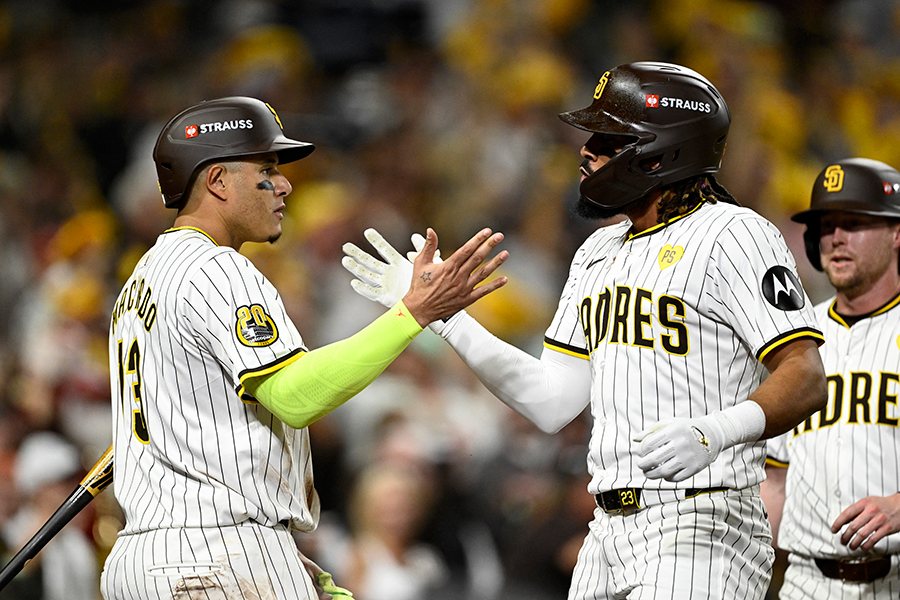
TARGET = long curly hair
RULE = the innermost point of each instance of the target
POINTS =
(683, 196)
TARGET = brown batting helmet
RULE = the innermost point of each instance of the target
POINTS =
(857, 185)
(660, 114)
(217, 129)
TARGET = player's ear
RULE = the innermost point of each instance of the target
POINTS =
(215, 180)
(895, 234)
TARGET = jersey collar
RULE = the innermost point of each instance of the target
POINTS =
(660, 226)
(848, 321)
(209, 237)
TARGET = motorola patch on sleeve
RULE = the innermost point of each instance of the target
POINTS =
(782, 289)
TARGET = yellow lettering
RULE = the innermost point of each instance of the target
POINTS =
(598, 91)
(671, 313)
(834, 178)
(642, 318)
(885, 398)
(620, 317)
(599, 317)
(860, 392)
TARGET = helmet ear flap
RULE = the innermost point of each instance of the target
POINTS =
(811, 243)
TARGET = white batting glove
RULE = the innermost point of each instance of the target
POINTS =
(674, 450)
(418, 242)
(382, 282)
(679, 448)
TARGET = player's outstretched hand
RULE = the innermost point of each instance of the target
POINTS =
(679, 448)
(868, 521)
(384, 282)
(442, 289)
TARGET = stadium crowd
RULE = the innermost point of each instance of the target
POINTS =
(425, 113)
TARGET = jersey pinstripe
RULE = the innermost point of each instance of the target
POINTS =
(189, 450)
(675, 321)
(851, 449)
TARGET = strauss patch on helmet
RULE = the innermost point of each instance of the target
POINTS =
(685, 104)
(224, 126)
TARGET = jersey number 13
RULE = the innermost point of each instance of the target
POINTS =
(131, 365)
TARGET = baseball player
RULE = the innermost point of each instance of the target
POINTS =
(837, 499)
(667, 327)
(212, 385)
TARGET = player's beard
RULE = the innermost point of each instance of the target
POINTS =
(587, 209)
(863, 277)
(590, 211)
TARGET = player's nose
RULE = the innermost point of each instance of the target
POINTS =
(282, 185)
(587, 154)
(838, 235)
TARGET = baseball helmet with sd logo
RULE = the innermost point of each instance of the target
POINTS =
(217, 129)
(857, 185)
(669, 121)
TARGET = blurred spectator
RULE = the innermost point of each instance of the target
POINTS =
(385, 558)
(47, 469)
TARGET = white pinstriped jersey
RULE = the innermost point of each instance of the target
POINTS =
(189, 451)
(851, 449)
(675, 321)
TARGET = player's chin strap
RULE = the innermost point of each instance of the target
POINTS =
(679, 448)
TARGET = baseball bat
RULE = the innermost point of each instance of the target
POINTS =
(97, 480)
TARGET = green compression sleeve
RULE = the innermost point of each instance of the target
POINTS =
(321, 380)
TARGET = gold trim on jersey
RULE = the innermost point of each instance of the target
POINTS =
(566, 349)
(771, 462)
(790, 337)
(835, 316)
(660, 226)
(198, 230)
(264, 370)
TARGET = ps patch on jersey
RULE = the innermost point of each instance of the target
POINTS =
(254, 327)
(782, 289)
(669, 255)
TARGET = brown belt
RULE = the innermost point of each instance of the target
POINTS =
(856, 571)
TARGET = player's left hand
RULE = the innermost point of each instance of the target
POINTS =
(679, 448)
(326, 584)
(868, 521)
(383, 282)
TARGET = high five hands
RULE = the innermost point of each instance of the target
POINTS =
(430, 288)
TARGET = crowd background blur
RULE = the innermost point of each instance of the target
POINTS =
(437, 113)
